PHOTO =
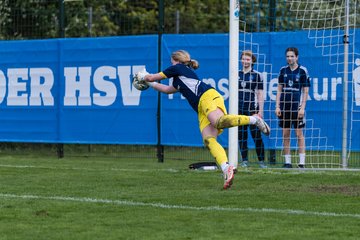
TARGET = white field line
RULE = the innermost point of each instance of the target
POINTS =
(87, 169)
(269, 170)
(182, 207)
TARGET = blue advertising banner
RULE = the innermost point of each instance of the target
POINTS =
(28, 101)
(79, 90)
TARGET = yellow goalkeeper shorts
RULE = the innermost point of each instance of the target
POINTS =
(209, 101)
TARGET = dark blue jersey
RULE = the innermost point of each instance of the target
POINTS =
(186, 81)
(292, 83)
(248, 84)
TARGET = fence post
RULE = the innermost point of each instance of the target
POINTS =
(60, 146)
(160, 147)
(61, 19)
(272, 15)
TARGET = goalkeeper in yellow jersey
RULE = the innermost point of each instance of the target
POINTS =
(206, 101)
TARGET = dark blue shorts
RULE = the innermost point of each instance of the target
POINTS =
(290, 119)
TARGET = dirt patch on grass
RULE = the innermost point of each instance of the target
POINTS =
(341, 189)
(42, 213)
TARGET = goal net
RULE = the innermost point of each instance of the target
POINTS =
(319, 29)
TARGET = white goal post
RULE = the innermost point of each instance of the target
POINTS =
(233, 77)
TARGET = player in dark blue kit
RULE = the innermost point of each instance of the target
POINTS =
(292, 93)
(206, 101)
(251, 101)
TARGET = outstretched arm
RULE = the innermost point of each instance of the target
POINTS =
(151, 78)
(163, 88)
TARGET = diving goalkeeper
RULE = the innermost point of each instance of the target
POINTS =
(206, 101)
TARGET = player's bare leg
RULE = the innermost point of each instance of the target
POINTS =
(301, 144)
(286, 144)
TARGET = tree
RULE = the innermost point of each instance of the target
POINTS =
(34, 19)
(27, 19)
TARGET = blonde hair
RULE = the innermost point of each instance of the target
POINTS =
(183, 57)
(249, 54)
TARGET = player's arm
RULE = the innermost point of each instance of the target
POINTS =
(154, 77)
(151, 78)
(260, 94)
(304, 95)
(260, 97)
(278, 94)
(163, 88)
(279, 91)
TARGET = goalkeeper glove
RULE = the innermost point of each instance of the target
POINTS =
(138, 81)
(141, 75)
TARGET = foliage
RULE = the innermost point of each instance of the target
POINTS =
(197, 16)
(28, 19)
(42, 18)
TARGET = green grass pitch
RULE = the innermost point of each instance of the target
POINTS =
(109, 198)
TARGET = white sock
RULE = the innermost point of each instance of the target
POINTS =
(287, 159)
(224, 166)
(252, 120)
(302, 158)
